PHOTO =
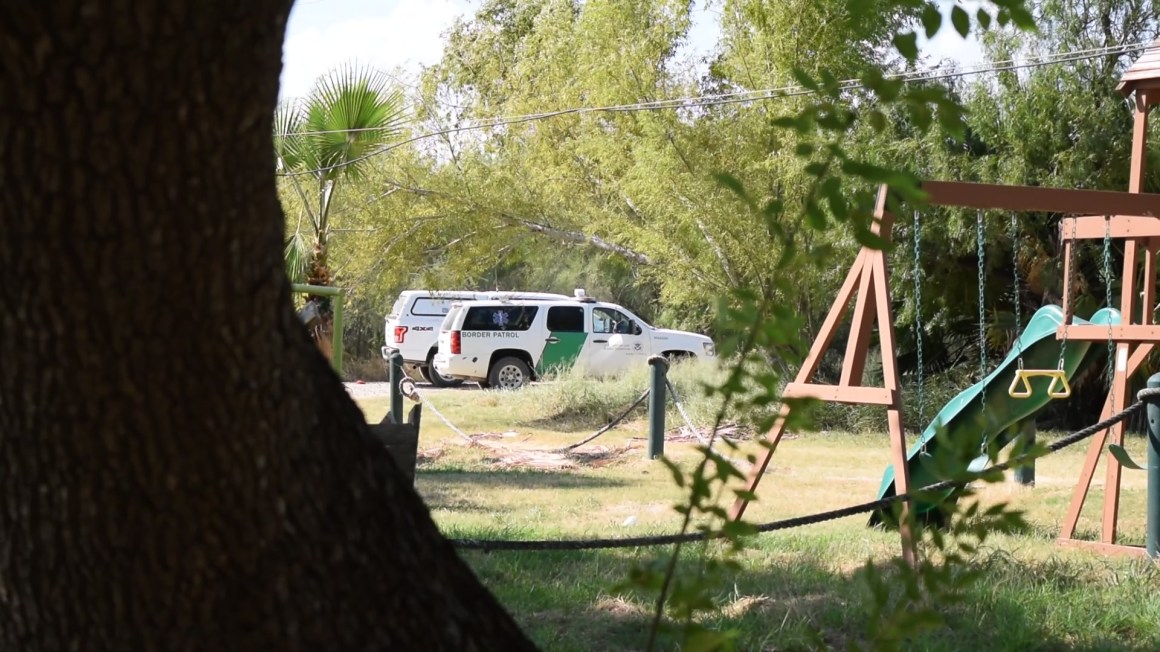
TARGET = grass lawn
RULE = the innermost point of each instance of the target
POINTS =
(1034, 595)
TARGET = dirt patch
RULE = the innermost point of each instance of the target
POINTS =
(801, 605)
(621, 607)
(428, 455)
(508, 457)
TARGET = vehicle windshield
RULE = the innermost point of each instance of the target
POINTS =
(639, 319)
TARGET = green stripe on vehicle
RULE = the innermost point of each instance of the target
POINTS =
(562, 353)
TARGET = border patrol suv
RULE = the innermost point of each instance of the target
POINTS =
(506, 344)
(412, 326)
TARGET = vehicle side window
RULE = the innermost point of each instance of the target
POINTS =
(607, 320)
(425, 307)
(566, 319)
(499, 318)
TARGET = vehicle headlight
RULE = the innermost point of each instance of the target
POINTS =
(710, 350)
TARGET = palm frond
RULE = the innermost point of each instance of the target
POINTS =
(296, 257)
(290, 145)
(351, 112)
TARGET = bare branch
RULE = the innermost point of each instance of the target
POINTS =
(581, 238)
(540, 228)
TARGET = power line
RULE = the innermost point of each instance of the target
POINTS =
(738, 97)
(785, 91)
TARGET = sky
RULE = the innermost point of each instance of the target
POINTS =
(407, 34)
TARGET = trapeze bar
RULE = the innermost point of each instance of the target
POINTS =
(1094, 227)
(1021, 383)
(1033, 198)
(1097, 333)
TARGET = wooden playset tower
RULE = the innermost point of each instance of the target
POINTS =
(1137, 335)
(1131, 217)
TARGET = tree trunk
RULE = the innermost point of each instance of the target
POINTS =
(179, 467)
(318, 274)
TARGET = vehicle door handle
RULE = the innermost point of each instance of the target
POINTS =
(552, 340)
(600, 341)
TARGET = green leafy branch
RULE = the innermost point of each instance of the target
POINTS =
(833, 198)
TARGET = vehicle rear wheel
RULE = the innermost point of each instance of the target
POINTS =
(509, 373)
(435, 378)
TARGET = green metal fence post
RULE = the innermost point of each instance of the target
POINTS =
(656, 406)
(1152, 534)
(395, 376)
(339, 296)
(336, 336)
(1025, 474)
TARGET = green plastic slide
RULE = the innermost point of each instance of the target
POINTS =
(984, 418)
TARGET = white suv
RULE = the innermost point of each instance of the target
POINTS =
(412, 326)
(506, 344)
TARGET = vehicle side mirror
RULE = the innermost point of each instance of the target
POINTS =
(636, 329)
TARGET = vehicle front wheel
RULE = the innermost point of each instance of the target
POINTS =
(509, 373)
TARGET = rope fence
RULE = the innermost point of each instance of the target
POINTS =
(610, 425)
(410, 390)
(684, 415)
(811, 519)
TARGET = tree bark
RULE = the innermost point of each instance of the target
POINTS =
(179, 467)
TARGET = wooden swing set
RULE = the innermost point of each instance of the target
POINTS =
(1132, 217)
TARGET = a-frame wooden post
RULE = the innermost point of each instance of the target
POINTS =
(1129, 354)
(870, 277)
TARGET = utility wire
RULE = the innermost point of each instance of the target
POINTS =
(737, 97)
(771, 93)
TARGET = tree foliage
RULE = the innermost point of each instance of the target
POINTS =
(627, 200)
(348, 116)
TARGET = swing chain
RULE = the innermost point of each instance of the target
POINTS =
(918, 278)
(1015, 297)
(1069, 300)
(982, 310)
(1108, 303)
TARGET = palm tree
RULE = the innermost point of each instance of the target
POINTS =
(350, 114)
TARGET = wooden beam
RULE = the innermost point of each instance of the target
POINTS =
(1139, 145)
(1104, 548)
(850, 394)
(1115, 436)
(1092, 227)
(1096, 450)
(829, 327)
(989, 196)
(1148, 300)
(1120, 391)
(773, 438)
(809, 366)
(892, 383)
(1079, 494)
(1098, 333)
(858, 343)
